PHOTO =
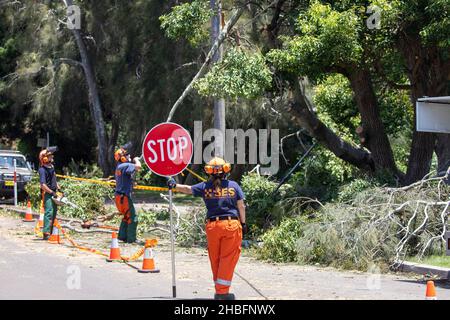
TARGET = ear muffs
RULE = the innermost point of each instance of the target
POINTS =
(43, 157)
(225, 168)
(120, 155)
(209, 169)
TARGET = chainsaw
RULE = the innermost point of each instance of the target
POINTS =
(62, 200)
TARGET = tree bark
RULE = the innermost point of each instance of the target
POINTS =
(301, 109)
(373, 128)
(94, 100)
(428, 77)
(273, 27)
(114, 135)
(441, 72)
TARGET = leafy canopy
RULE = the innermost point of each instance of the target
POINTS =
(326, 39)
(187, 21)
(239, 74)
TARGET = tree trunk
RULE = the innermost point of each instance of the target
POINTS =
(94, 100)
(273, 27)
(443, 152)
(114, 135)
(440, 73)
(373, 128)
(301, 109)
(428, 76)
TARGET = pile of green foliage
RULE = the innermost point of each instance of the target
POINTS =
(89, 197)
(191, 230)
(147, 219)
(376, 225)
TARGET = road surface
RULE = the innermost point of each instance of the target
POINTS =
(33, 269)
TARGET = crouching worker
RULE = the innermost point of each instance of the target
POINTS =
(49, 186)
(124, 176)
(225, 222)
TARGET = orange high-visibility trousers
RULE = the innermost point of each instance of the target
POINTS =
(224, 248)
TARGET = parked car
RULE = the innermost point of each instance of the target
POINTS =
(23, 171)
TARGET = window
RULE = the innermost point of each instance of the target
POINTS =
(7, 162)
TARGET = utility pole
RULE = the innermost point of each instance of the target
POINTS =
(219, 104)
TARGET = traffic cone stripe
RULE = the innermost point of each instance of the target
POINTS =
(148, 253)
(148, 265)
(54, 237)
(114, 243)
(41, 220)
(29, 213)
(114, 252)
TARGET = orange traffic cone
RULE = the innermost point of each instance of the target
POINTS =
(431, 291)
(114, 252)
(148, 265)
(29, 213)
(54, 237)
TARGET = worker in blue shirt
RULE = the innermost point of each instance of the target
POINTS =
(49, 187)
(225, 222)
(124, 175)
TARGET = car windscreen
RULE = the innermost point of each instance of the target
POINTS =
(7, 162)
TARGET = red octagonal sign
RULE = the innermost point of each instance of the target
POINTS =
(167, 149)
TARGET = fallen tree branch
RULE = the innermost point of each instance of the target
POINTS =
(212, 52)
(68, 226)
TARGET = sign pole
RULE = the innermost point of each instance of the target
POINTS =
(15, 183)
(167, 151)
(172, 243)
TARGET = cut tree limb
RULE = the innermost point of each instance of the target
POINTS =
(302, 109)
(211, 53)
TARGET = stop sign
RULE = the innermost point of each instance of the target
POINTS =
(167, 149)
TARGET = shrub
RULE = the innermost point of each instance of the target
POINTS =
(261, 201)
(280, 243)
(321, 175)
(33, 190)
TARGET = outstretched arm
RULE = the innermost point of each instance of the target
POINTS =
(179, 187)
(184, 188)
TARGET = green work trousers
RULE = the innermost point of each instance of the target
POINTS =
(128, 229)
(50, 212)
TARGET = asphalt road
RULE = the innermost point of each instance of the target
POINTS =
(33, 269)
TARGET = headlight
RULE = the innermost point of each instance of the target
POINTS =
(27, 178)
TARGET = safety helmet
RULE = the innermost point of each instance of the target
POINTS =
(216, 166)
(121, 155)
(45, 154)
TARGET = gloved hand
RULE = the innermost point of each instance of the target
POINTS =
(244, 228)
(171, 183)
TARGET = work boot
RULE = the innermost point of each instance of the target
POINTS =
(225, 296)
(46, 236)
